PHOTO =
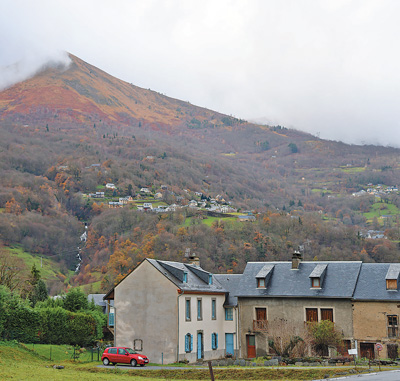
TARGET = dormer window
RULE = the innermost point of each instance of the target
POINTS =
(260, 282)
(264, 276)
(185, 275)
(392, 277)
(210, 279)
(317, 276)
(315, 282)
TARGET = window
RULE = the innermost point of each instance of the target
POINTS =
(113, 351)
(185, 277)
(188, 342)
(315, 283)
(229, 313)
(260, 282)
(199, 310)
(214, 340)
(260, 323)
(213, 309)
(392, 325)
(121, 351)
(311, 315)
(391, 284)
(187, 307)
(209, 278)
(327, 314)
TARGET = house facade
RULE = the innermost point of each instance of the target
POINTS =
(376, 308)
(173, 311)
(296, 293)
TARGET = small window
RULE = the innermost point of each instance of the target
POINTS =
(213, 309)
(327, 314)
(187, 312)
(315, 283)
(214, 340)
(199, 310)
(229, 313)
(210, 279)
(112, 351)
(185, 277)
(121, 351)
(391, 284)
(260, 282)
(392, 325)
(188, 343)
(311, 315)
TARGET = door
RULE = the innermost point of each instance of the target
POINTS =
(229, 344)
(367, 350)
(251, 346)
(199, 345)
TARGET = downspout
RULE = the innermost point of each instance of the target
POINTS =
(238, 340)
(180, 293)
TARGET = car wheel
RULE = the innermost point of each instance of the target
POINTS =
(133, 362)
(106, 361)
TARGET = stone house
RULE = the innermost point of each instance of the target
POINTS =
(376, 307)
(296, 292)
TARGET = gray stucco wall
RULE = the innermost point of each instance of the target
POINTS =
(146, 309)
(292, 310)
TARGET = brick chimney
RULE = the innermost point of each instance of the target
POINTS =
(296, 259)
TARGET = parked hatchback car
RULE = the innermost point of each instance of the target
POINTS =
(124, 355)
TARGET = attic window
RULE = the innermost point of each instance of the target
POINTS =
(260, 282)
(185, 277)
(317, 276)
(391, 284)
(210, 279)
(315, 282)
(392, 277)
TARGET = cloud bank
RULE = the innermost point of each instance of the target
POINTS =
(325, 67)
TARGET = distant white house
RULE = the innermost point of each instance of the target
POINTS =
(145, 190)
(110, 186)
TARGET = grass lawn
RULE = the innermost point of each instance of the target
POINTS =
(209, 220)
(19, 362)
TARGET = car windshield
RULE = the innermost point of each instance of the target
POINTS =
(131, 351)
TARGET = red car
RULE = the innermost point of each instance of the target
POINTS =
(123, 355)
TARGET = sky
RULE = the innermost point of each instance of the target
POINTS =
(328, 67)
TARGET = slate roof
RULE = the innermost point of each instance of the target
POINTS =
(197, 278)
(98, 300)
(230, 282)
(372, 283)
(339, 281)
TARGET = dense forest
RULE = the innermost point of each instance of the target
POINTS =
(321, 196)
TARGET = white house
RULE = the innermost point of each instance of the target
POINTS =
(110, 186)
(174, 311)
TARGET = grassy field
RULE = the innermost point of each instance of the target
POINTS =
(49, 269)
(19, 362)
(352, 169)
(379, 209)
(209, 220)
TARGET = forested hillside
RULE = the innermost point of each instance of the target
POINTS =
(68, 132)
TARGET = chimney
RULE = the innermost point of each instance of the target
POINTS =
(194, 260)
(296, 259)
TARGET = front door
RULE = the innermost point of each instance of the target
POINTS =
(199, 345)
(367, 350)
(251, 346)
(229, 343)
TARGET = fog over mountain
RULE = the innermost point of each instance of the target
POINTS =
(329, 68)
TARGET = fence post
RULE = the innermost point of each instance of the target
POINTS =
(50, 352)
(98, 354)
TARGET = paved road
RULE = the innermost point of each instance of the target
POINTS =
(389, 375)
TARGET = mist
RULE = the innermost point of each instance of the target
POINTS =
(325, 67)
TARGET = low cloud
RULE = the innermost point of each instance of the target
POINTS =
(30, 65)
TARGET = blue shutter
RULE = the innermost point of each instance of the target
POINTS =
(191, 343)
(212, 341)
(186, 343)
(216, 340)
